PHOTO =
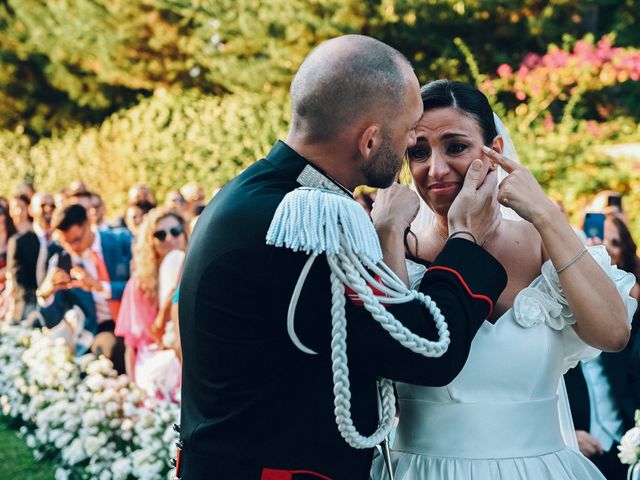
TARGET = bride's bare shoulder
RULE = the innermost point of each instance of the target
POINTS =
(521, 230)
(519, 242)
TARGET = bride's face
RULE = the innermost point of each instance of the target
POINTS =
(447, 141)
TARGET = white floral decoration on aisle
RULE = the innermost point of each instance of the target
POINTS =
(78, 412)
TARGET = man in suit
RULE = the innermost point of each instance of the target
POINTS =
(254, 406)
(93, 279)
(603, 399)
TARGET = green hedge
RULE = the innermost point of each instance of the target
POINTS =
(165, 141)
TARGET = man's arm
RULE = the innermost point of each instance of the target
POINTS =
(464, 281)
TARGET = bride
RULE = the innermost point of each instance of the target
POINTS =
(500, 418)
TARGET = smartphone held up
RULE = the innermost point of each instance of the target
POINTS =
(594, 225)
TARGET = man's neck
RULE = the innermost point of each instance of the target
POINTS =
(330, 159)
(93, 234)
(41, 228)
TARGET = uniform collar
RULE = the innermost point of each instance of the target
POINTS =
(310, 175)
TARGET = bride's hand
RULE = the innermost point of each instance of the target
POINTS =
(395, 208)
(520, 191)
(475, 209)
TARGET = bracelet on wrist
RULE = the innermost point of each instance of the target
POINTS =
(572, 261)
(464, 232)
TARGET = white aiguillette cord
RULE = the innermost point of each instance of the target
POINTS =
(317, 222)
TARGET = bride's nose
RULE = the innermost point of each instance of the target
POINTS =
(439, 166)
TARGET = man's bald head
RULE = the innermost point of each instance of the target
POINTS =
(344, 79)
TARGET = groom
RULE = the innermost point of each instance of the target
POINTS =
(254, 406)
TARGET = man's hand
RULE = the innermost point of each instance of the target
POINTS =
(393, 211)
(55, 280)
(81, 279)
(476, 209)
(395, 208)
(588, 444)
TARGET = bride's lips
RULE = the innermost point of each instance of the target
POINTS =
(444, 188)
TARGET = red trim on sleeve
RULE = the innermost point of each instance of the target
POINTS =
(273, 474)
(464, 284)
(178, 463)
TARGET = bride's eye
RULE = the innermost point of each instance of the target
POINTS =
(419, 153)
(455, 148)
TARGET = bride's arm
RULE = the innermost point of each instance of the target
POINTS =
(600, 313)
(601, 317)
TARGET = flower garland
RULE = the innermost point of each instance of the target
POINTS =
(78, 412)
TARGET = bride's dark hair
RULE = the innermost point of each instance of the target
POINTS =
(465, 97)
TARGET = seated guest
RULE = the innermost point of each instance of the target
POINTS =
(605, 392)
(146, 304)
(7, 230)
(622, 249)
(97, 212)
(134, 214)
(93, 279)
(194, 197)
(174, 199)
(23, 250)
(141, 193)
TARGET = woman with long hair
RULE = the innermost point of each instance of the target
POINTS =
(157, 259)
(622, 248)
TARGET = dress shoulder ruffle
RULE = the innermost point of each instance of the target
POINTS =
(544, 302)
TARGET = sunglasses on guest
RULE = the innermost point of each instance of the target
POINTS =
(174, 231)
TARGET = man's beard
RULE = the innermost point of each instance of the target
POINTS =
(383, 166)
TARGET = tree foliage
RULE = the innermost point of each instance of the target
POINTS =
(165, 141)
(76, 62)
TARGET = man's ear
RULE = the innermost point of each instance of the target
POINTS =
(498, 144)
(369, 141)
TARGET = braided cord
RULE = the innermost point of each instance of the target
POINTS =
(341, 384)
(317, 222)
(347, 269)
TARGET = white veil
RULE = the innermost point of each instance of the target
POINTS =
(426, 217)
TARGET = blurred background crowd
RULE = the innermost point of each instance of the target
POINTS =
(109, 286)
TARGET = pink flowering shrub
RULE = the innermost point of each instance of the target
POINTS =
(569, 155)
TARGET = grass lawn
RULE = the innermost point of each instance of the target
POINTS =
(16, 459)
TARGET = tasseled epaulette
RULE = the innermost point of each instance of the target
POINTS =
(312, 220)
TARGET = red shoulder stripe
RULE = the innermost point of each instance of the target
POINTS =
(273, 474)
(464, 284)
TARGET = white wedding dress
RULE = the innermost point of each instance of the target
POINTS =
(499, 419)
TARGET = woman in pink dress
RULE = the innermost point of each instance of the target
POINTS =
(157, 262)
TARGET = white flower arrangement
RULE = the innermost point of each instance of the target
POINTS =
(77, 411)
(630, 449)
